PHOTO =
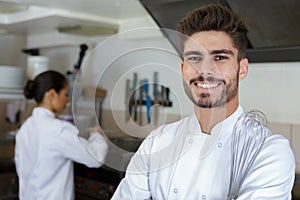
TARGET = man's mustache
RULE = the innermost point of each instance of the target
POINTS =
(207, 79)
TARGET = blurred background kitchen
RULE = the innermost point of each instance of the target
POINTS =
(125, 64)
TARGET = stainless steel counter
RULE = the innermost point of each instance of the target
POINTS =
(296, 188)
(7, 148)
(100, 183)
(8, 186)
(8, 176)
(6, 140)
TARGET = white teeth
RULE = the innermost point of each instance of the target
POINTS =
(207, 85)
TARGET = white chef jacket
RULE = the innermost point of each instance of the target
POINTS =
(45, 150)
(179, 161)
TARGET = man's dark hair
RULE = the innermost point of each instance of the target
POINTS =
(217, 18)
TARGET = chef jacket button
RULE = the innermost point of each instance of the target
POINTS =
(191, 141)
(220, 145)
(203, 196)
(175, 190)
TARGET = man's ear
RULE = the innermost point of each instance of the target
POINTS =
(243, 68)
(181, 66)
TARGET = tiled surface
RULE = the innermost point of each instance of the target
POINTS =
(283, 129)
(116, 121)
(296, 145)
(292, 133)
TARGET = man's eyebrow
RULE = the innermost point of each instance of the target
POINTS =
(221, 51)
(213, 52)
(187, 53)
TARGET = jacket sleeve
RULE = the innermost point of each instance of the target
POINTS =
(273, 172)
(16, 157)
(135, 184)
(91, 152)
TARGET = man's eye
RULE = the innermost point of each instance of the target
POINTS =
(194, 58)
(218, 58)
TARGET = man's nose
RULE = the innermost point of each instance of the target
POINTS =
(206, 67)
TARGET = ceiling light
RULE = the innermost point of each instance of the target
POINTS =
(87, 30)
(8, 7)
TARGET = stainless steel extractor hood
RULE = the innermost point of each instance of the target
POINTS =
(274, 25)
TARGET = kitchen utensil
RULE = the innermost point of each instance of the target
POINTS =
(11, 113)
(141, 92)
(83, 49)
(134, 85)
(128, 105)
(156, 99)
(167, 96)
(77, 85)
(148, 100)
(248, 137)
(162, 95)
(83, 123)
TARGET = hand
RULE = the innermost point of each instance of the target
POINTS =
(96, 129)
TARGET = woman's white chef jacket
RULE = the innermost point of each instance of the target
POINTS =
(178, 161)
(45, 150)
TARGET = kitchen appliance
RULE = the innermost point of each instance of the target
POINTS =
(296, 188)
(82, 122)
(8, 177)
(75, 77)
(95, 183)
(9, 186)
(100, 183)
(36, 65)
(274, 25)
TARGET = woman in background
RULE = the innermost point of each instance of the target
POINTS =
(46, 147)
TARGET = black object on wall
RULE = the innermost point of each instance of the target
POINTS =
(274, 24)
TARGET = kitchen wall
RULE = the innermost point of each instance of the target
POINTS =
(274, 89)
(11, 50)
(270, 87)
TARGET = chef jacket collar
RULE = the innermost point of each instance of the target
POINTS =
(220, 132)
(39, 111)
(225, 126)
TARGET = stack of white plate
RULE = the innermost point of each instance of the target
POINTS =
(12, 77)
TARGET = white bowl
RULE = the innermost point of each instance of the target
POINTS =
(12, 77)
(11, 71)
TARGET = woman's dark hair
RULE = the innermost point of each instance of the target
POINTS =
(36, 89)
(217, 18)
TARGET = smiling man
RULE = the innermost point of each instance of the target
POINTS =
(191, 158)
(211, 71)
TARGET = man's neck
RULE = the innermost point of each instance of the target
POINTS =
(209, 117)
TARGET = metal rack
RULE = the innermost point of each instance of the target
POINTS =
(11, 94)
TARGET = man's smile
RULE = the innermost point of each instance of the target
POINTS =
(205, 85)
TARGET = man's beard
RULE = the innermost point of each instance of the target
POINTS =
(204, 100)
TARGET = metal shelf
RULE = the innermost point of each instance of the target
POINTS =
(11, 94)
